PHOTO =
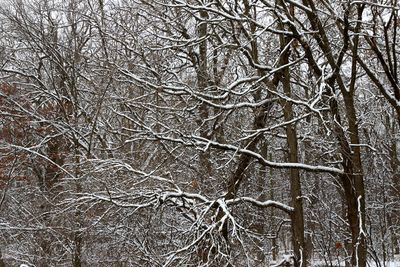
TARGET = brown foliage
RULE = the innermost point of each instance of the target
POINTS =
(19, 127)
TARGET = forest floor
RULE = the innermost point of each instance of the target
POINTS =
(371, 264)
(340, 262)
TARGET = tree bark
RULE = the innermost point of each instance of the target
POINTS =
(2, 263)
(297, 216)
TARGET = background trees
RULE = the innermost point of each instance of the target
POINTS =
(199, 132)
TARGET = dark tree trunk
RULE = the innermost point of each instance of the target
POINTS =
(2, 263)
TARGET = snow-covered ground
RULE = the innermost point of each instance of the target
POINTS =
(341, 263)
(393, 264)
(371, 264)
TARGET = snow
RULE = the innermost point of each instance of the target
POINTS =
(321, 263)
(393, 264)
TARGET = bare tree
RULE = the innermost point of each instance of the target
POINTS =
(199, 133)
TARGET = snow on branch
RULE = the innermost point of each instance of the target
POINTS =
(279, 165)
(261, 204)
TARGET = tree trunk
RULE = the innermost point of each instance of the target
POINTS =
(2, 264)
(394, 216)
(202, 82)
(356, 205)
(297, 216)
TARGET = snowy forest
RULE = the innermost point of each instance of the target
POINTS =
(200, 133)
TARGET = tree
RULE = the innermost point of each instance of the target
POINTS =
(199, 133)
